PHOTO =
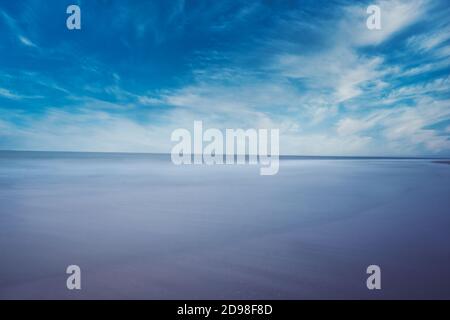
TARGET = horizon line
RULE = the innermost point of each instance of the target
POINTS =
(418, 157)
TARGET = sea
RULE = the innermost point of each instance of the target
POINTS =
(140, 227)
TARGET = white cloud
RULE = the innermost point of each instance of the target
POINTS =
(427, 67)
(8, 94)
(349, 126)
(440, 85)
(26, 41)
(149, 101)
(430, 40)
(352, 78)
(12, 24)
(340, 70)
(407, 125)
(87, 131)
(326, 145)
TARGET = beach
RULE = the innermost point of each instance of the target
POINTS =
(140, 227)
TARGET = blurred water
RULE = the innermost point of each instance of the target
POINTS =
(140, 227)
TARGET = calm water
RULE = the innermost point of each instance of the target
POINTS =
(140, 227)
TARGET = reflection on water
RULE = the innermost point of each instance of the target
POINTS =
(140, 227)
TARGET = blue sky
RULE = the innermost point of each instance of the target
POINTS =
(139, 69)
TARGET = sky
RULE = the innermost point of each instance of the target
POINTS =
(137, 70)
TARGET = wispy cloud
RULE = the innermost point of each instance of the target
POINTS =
(315, 71)
(26, 41)
(8, 94)
(16, 30)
